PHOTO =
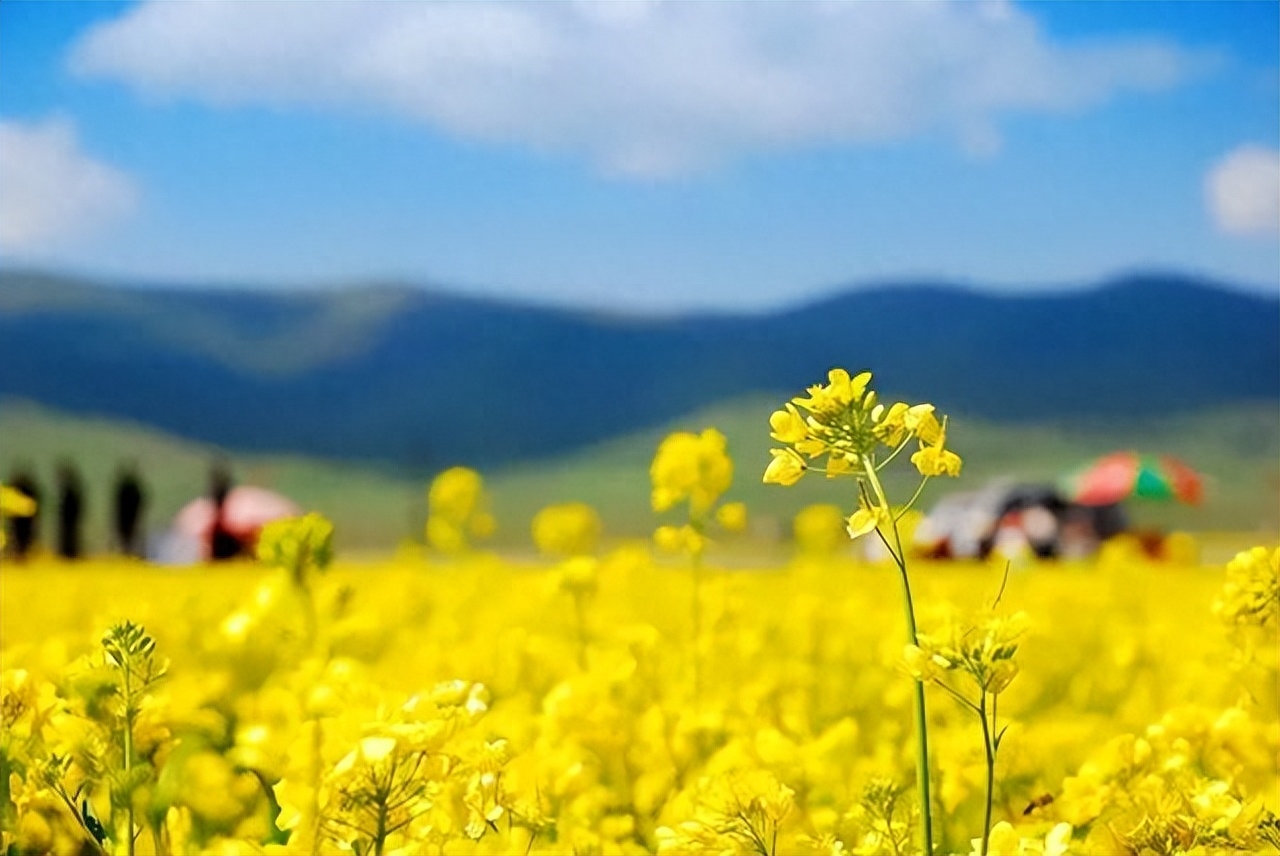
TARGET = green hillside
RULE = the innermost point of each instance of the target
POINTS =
(1238, 448)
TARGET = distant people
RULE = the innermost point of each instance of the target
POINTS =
(222, 543)
(70, 510)
(131, 500)
(23, 531)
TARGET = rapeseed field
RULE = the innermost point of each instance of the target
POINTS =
(653, 696)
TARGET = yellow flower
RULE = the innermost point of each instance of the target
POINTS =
(1058, 841)
(1000, 675)
(15, 503)
(690, 466)
(788, 425)
(579, 575)
(786, 468)
(920, 421)
(571, 529)
(455, 494)
(935, 460)
(445, 536)
(891, 424)
(732, 516)
(867, 519)
(819, 528)
(376, 748)
(921, 664)
(297, 544)
(678, 539)
(457, 510)
(840, 391)
(1251, 594)
(1003, 841)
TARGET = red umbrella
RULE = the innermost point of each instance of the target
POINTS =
(244, 512)
(1122, 475)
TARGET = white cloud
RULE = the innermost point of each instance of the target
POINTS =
(1243, 190)
(50, 190)
(637, 88)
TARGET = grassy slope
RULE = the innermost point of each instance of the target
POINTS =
(1237, 447)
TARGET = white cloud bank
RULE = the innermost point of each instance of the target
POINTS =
(644, 89)
(50, 190)
(1243, 190)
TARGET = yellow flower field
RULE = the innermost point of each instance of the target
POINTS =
(642, 700)
(460, 686)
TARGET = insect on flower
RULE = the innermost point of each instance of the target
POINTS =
(92, 823)
(1039, 802)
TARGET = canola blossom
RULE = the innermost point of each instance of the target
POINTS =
(859, 437)
(457, 511)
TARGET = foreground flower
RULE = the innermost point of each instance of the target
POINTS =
(858, 437)
(847, 426)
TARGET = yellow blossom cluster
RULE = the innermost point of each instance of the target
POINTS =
(693, 470)
(1251, 595)
(457, 510)
(571, 529)
(844, 421)
(982, 650)
(691, 467)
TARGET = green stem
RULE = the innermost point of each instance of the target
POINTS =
(922, 722)
(310, 615)
(579, 612)
(894, 453)
(911, 502)
(128, 749)
(312, 817)
(991, 769)
(380, 838)
(695, 522)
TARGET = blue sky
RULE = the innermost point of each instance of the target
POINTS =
(650, 156)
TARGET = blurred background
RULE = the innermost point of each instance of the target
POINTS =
(334, 249)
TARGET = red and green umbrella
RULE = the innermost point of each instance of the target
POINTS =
(1124, 475)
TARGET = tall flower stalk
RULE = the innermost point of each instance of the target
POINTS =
(131, 653)
(980, 653)
(693, 470)
(302, 547)
(844, 431)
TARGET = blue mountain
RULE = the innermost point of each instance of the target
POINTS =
(420, 379)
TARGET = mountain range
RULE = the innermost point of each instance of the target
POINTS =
(416, 380)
